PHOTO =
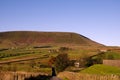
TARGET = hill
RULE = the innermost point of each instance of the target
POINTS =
(17, 38)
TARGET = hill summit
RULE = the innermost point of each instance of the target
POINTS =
(16, 38)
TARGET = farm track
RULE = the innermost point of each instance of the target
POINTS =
(18, 60)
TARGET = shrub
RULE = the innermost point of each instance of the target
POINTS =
(61, 62)
(63, 49)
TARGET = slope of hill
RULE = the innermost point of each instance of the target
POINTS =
(102, 69)
(16, 38)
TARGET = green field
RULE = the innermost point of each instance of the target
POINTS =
(102, 70)
(32, 59)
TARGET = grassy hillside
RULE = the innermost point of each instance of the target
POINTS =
(17, 38)
(111, 55)
(101, 69)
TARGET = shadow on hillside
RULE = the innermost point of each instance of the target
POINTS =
(39, 77)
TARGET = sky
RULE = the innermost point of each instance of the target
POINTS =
(98, 20)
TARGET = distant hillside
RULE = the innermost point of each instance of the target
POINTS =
(16, 38)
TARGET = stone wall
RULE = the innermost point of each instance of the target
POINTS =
(112, 62)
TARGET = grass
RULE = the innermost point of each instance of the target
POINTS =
(80, 53)
(111, 54)
(43, 54)
(22, 53)
(83, 76)
(28, 66)
(34, 65)
(102, 69)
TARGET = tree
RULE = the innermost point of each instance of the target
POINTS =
(62, 49)
(61, 62)
(52, 61)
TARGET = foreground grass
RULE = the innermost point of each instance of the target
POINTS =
(83, 76)
(95, 72)
(102, 69)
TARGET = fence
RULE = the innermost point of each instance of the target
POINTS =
(17, 75)
(63, 75)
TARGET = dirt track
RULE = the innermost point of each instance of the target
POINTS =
(18, 60)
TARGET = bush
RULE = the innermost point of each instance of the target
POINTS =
(94, 60)
(63, 49)
(61, 62)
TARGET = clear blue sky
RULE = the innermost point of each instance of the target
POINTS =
(98, 20)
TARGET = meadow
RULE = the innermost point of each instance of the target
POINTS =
(35, 60)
